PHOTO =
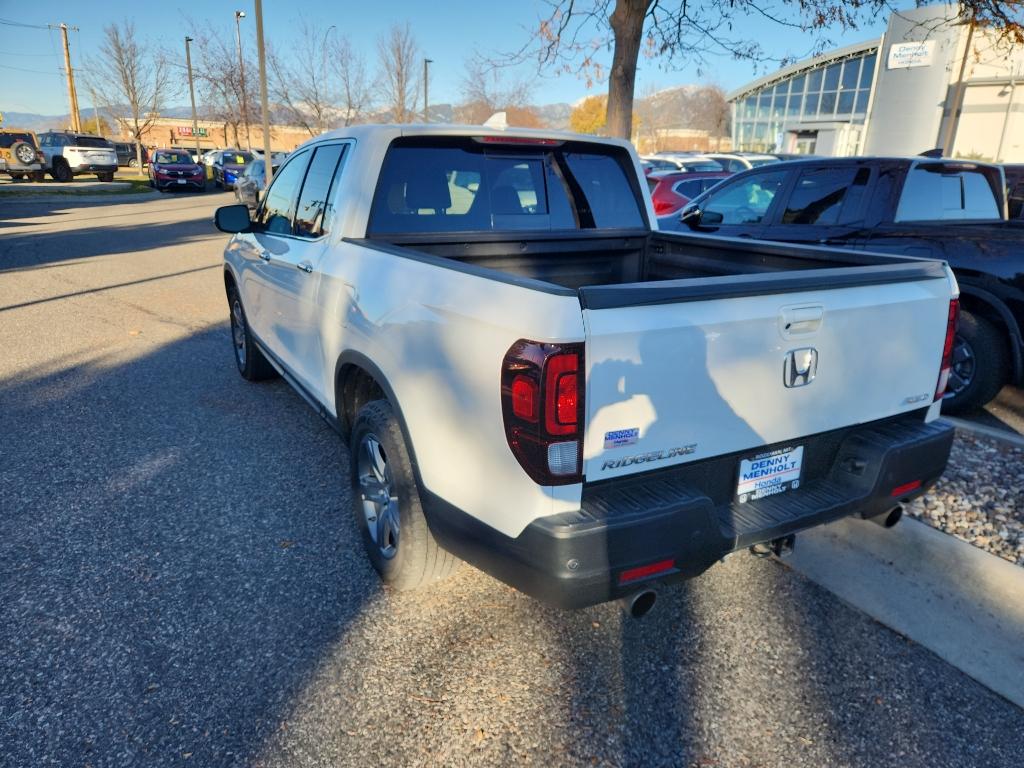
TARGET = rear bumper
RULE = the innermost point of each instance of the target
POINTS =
(93, 168)
(688, 514)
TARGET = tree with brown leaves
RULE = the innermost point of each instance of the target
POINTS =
(572, 35)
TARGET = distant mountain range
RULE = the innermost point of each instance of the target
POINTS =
(682, 106)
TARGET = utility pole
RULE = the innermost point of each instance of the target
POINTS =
(192, 94)
(426, 89)
(953, 121)
(76, 120)
(268, 163)
(239, 15)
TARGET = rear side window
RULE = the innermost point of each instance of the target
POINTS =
(276, 215)
(464, 185)
(689, 188)
(310, 220)
(92, 141)
(819, 195)
(941, 192)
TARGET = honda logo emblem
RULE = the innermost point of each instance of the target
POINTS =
(801, 367)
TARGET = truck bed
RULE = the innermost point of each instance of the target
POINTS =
(575, 261)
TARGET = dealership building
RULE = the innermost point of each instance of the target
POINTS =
(929, 82)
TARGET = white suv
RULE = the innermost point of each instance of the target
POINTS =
(73, 154)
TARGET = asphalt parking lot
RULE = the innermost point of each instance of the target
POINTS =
(181, 582)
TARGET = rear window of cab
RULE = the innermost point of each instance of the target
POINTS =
(462, 184)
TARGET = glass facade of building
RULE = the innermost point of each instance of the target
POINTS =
(828, 91)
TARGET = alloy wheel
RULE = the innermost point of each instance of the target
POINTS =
(964, 367)
(377, 494)
(238, 332)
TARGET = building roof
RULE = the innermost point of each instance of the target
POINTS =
(793, 69)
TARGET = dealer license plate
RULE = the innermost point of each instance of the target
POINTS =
(181, 181)
(769, 473)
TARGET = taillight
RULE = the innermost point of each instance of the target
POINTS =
(947, 349)
(542, 407)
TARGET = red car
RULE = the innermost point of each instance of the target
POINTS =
(672, 190)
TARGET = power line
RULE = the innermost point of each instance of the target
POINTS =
(33, 71)
(12, 53)
(9, 23)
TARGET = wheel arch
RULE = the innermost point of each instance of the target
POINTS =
(358, 380)
(985, 304)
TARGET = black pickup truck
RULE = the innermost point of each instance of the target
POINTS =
(944, 209)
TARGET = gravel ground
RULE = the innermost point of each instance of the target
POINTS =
(980, 498)
(181, 582)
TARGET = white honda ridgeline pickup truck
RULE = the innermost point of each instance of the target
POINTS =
(532, 378)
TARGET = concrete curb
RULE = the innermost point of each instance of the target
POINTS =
(1002, 435)
(964, 604)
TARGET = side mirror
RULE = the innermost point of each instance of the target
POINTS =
(691, 216)
(232, 219)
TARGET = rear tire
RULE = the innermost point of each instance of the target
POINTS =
(252, 363)
(61, 171)
(980, 364)
(386, 503)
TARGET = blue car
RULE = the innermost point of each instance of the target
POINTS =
(228, 167)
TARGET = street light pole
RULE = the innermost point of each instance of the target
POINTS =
(239, 15)
(323, 78)
(426, 89)
(192, 94)
(268, 160)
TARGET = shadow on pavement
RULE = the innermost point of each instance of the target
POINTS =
(85, 242)
(176, 554)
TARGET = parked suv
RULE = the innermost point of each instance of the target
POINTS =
(20, 155)
(126, 154)
(73, 154)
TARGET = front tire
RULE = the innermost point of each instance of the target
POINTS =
(386, 503)
(252, 363)
(980, 364)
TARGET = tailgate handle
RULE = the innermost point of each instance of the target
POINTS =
(801, 321)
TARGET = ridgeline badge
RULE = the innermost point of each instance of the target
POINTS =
(645, 458)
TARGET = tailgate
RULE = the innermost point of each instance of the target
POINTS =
(675, 382)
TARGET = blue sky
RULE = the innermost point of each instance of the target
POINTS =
(448, 31)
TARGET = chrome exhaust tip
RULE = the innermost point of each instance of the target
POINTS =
(639, 604)
(888, 519)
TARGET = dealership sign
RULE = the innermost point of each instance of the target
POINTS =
(906, 55)
(185, 131)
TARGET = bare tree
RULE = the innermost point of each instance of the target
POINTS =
(356, 88)
(219, 80)
(129, 76)
(399, 56)
(571, 37)
(485, 92)
(300, 83)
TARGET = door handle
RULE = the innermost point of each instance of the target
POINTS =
(265, 255)
(305, 266)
